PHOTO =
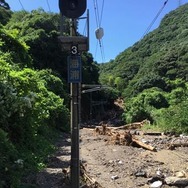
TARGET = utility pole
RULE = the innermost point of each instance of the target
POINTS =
(75, 162)
(74, 44)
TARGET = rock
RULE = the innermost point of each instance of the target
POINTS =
(156, 184)
(120, 162)
(114, 177)
(158, 172)
(176, 181)
(141, 173)
(181, 174)
(156, 178)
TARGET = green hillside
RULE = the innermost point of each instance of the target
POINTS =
(152, 75)
(34, 94)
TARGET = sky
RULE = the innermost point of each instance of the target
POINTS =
(124, 22)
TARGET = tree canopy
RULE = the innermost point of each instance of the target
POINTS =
(4, 4)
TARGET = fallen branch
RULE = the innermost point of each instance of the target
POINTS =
(121, 137)
(143, 145)
(127, 139)
(90, 182)
(135, 125)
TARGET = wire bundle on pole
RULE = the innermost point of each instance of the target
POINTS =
(99, 30)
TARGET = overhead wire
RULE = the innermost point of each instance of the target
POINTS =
(101, 41)
(98, 23)
(153, 21)
(101, 12)
(102, 50)
(21, 4)
(96, 12)
(85, 28)
(46, 2)
(96, 48)
(48, 5)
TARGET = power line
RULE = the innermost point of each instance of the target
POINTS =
(96, 12)
(102, 50)
(97, 17)
(21, 4)
(148, 29)
(101, 12)
(48, 5)
(85, 28)
(96, 49)
(98, 23)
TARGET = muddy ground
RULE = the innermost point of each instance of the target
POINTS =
(119, 166)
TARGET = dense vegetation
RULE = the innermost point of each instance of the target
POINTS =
(34, 94)
(152, 75)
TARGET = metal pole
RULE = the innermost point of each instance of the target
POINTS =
(91, 107)
(80, 108)
(75, 162)
(88, 33)
(62, 29)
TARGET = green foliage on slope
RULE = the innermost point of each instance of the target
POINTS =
(155, 69)
(40, 31)
(32, 108)
(5, 15)
(17, 50)
(33, 91)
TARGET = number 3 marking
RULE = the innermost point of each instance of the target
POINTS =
(74, 50)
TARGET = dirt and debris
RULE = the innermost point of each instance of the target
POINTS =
(106, 163)
(123, 165)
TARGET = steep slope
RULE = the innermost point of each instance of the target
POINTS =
(162, 54)
(152, 75)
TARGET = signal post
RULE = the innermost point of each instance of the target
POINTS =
(73, 9)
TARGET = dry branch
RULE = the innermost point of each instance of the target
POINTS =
(120, 137)
(135, 125)
(143, 145)
(90, 182)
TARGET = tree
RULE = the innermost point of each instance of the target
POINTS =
(5, 15)
(4, 4)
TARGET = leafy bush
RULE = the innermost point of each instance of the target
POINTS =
(135, 110)
(18, 50)
(148, 81)
(156, 98)
(5, 15)
(29, 114)
(174, 118)
(166, 110)
(141, 107)
(10, 165)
